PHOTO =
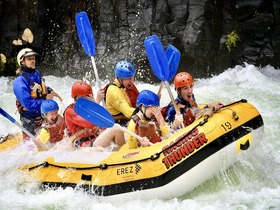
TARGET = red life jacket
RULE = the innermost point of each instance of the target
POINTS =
(56, 130)
(150, 130)
(87, 141)
(188, 115)
(85, 138)
(132, 94)
(189, 118)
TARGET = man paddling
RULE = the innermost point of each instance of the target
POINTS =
(121, 94)
(186, 104)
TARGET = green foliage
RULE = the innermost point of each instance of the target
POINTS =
(232, 38)
(8, 68)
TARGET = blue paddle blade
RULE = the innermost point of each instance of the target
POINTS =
(173, 56)
(85, 33)
(157, 57)
(94, 113)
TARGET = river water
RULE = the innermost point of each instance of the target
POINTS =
(252, 183)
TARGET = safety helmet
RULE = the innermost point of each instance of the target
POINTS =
(24, 53)
(124, 69)
(182, 79)
(48, 105)
(147, 98)
(81, 88)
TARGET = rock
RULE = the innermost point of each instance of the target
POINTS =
(199, 29)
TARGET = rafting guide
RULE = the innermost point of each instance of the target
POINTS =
(30, 90)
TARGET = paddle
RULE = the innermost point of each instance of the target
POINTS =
(173, 56)
(37, 143)
(98, 115)
(86, 37)
(159, 63)
(157, 57)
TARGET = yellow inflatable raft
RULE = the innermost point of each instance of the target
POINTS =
(11, 141)
(165, 170)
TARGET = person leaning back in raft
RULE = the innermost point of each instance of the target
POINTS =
(87, 134)
(186, 105)
(121, 94)
(147, 121)
(30, 91)
(52, 129)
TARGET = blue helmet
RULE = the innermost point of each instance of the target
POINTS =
(48, 105)
(147, 98)
(124, 69)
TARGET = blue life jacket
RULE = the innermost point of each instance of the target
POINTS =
(26, 98)
(171, 112)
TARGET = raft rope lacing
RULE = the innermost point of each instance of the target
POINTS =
(152, 157)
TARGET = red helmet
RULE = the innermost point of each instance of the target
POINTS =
(182, 79)
(81, 89)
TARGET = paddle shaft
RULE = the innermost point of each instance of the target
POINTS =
(96, 77)
(160, 88)
(131, 133)
(24, 130)
(173, 101)
(95, 72)
(10, 118)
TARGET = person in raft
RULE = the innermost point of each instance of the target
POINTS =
(147, 121)
(87, 134)
(30, 91)
(186, 104)
(53, 127)
(121, 94)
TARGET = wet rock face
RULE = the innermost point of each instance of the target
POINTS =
(199, 29)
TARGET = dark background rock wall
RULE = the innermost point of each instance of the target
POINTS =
(198, 28)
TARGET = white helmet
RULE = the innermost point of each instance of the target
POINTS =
(24, 53)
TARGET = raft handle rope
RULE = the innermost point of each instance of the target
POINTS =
(105, 166)
(234, 114)
(235, 102)
(154, 157)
